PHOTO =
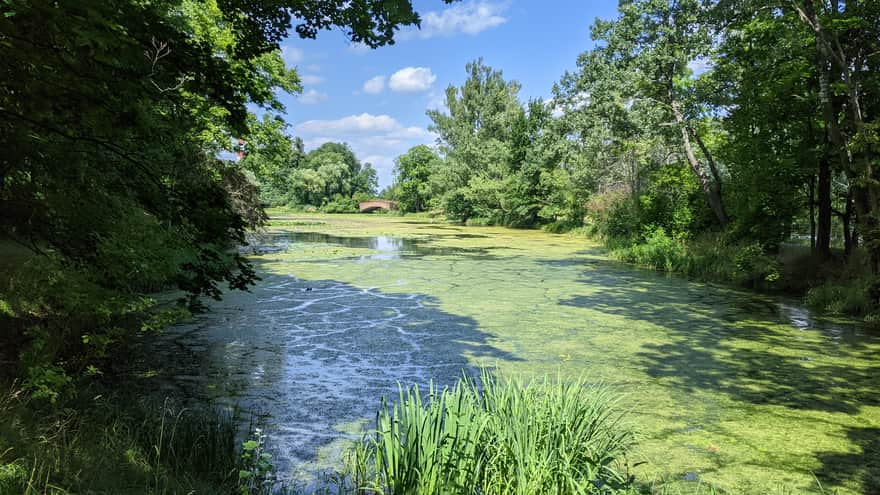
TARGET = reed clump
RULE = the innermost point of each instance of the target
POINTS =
(498, 436)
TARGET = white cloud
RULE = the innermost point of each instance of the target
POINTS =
(377, 139)
(374, 85)
(311, 79)
(363, 124)
(412, 80)
(470, 18)
(312, 97)
(313, 67)
(380, 162)
(292, 55)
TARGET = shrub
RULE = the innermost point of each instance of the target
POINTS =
(659, 251)
(614, 217)
(754, 267)
(506, 437)
(851, 298)
(479, 222)
(112, 443)
(457, 205)
(340, 204)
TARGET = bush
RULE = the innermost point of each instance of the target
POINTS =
(659, 251)
(479, 222)
(340, 204)
(502, 438)
(113, 443)
(709, 257)
(755, 268)
(614, 217)
(457, 205)
(850, 299)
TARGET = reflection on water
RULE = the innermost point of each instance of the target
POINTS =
(386, 248)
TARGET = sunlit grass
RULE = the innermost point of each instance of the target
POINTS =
(498, 437)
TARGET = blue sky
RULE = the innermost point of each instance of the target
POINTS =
(375, 100)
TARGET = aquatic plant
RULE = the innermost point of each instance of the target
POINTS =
(256, 473)
(499, 436)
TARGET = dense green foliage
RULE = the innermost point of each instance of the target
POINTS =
(114, 444)
(703, 137)
(501, 437)
(414, 185)
(498, 156)
(698, 129)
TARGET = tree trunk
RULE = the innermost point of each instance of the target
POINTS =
(823, 230)
(711, 190)
(709, 159)
(834, 65)
(813, 215)
(847, 225)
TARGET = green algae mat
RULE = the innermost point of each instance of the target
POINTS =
(742, 392)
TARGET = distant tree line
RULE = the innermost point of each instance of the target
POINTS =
(329, 178)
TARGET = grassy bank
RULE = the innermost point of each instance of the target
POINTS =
(113, 443)
(836, 287)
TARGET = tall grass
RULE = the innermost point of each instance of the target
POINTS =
(498, 437)
(709, 257)
(104, 445)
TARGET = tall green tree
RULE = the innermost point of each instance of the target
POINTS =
(475, 137)
(657, 42)
(413, 173)
(763, 78)
(847, 41)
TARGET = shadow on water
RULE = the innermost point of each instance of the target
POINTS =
(752, 350)
(862, 467)
(726, 341)
(314, 358)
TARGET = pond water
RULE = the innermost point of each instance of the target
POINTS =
(750, 393)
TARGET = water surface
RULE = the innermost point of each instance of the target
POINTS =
(750, 393)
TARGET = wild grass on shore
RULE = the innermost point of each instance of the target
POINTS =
(110, 445)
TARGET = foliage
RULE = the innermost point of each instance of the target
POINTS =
(256, 474)
(113, 116)
(841, 299)
(709, 257)
(330, 174)
(658, 251)
(413, 185)
(502, 436)
(340, 204)
(754, 267)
